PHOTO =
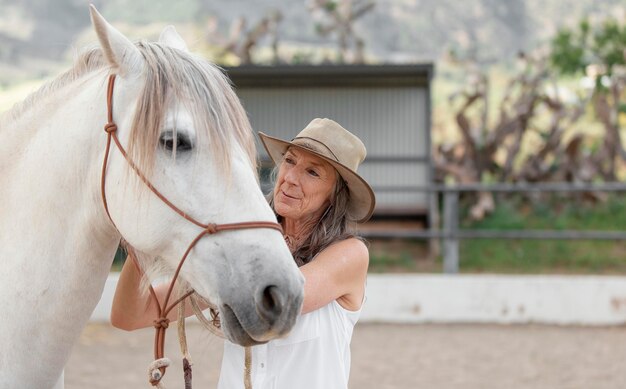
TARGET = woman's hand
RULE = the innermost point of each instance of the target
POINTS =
(133, 308)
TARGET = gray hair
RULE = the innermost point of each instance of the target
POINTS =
(333, 225)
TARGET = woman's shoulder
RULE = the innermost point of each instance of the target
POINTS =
(350, 260)
(353, 242)
(338, 272)
(352, 248)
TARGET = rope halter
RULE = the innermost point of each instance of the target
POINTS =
(157, 368)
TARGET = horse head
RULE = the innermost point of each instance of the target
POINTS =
(188, 136)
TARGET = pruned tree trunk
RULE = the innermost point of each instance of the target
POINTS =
(496, 149)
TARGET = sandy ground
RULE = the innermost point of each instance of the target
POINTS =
(387, 356)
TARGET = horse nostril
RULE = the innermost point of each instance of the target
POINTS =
(269, 298)
(271, 304)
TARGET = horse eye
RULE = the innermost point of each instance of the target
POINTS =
(181, 141)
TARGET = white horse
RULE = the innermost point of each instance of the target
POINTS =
(185, 129)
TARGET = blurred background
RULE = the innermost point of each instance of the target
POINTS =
(477, 92)
(495, 147)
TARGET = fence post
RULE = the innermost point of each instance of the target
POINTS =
(451, 227)
(434, 224)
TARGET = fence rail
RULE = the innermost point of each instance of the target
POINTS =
(450, 232)
(513, 188)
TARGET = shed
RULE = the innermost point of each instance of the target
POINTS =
(387, 106)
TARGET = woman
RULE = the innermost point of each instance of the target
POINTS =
(317, 194)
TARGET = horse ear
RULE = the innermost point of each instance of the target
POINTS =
(119, 52)
(171, 38)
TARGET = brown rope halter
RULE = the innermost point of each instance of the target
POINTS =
(162, 322)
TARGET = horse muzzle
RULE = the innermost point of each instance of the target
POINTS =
(271, 314)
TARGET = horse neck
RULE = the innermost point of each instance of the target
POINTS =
(51, 159)
(56, 243)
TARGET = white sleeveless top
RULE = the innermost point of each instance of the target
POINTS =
(315, 355)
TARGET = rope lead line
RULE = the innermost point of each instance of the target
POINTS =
(247, 374)
(182, 340)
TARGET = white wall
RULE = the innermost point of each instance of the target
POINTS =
(435, 298)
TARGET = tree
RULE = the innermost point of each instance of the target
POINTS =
(338, 17)
(598, 52)
(492, 149)
(242, 40)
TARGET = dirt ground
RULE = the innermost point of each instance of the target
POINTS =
(387, 356)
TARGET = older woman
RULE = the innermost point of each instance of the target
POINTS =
(317, 194)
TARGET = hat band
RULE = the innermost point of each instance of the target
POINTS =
(317, 141)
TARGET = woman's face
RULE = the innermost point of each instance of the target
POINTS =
(304, 185)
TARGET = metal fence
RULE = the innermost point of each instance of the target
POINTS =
(451, 234)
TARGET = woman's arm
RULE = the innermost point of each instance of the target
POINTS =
(337, 273)
(133, 309)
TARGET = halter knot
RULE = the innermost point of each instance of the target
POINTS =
(211, 228)
(215, 318)
(110, 128)
(162, 322)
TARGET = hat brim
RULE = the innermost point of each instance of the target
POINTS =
(362, 198)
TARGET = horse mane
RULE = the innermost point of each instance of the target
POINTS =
(170, 76)
(90, 60)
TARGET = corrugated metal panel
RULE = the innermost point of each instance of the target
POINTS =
(392, 122)
(397, 175)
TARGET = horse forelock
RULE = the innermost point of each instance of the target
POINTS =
(175, 77)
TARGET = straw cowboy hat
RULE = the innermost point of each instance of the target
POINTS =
(340, 148)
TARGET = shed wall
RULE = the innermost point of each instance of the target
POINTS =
(392, 123)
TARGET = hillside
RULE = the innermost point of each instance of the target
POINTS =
(38, 35)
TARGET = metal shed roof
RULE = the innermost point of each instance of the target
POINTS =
(293, 76)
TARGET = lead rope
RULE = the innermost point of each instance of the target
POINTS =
(214, 326)
(182, 340)
(247, 381)
(157, 368)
